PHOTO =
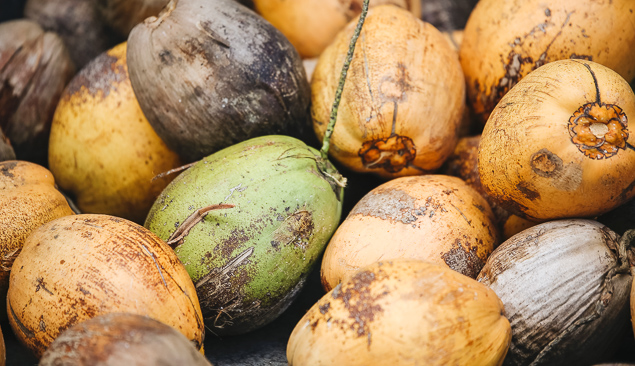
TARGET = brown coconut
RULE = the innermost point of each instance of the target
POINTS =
(117, 339)
(34, 69)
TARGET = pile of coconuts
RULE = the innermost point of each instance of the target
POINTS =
(319, 183)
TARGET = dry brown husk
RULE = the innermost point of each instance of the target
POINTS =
(118, 339)
(81, 266)
(436, 218)
(28, 199)
(402, 312)
(78, 23)
(34, 69)
(565, 285)
(210, 74)
(123, 15)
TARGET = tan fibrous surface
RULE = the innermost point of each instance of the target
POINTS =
(102, 149)
(436, 218)
(403, 312)
(28, 199)
(547, 152)
(566, 292)
(311, 25)
(117, 339)
(505, 40)
(35, 66)
(78, 267)
(403, 100)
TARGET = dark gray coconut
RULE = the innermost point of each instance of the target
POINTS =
(34, 69)
(211, 73)
(78, 23)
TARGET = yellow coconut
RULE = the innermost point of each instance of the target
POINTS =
(77, 267)
(505, 40)
(311, 25)
(403, 312)
(436, 218)
(403, 99)
(463, 163)
(559, 144)
(28, 199)
(102, 150)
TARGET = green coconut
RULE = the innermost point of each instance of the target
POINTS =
(250, 222)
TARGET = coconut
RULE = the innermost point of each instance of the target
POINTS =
(403, 101)
(403, 312)
(34, 69)
(116, 339)
(300, 20)
(102, 150)
(436, 218)
(505, 40)
(210, 74)
(77, 267)
(566, 286)
(78, 23)
(558, 145)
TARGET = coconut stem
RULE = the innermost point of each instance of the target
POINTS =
(340, 87)
(626, 241)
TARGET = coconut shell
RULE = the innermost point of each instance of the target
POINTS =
(505, 40)
(81, 266)
(559, 145)
(102, 150)
(34, 69)
(210, 74)
(311, 25)
(123, 15)
(435, 218)
(403, 100)
(565, 289)
(402, 312)
(117, 339)
(28, 199)
(78, 23)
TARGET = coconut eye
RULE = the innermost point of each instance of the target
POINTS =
(599, 130)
